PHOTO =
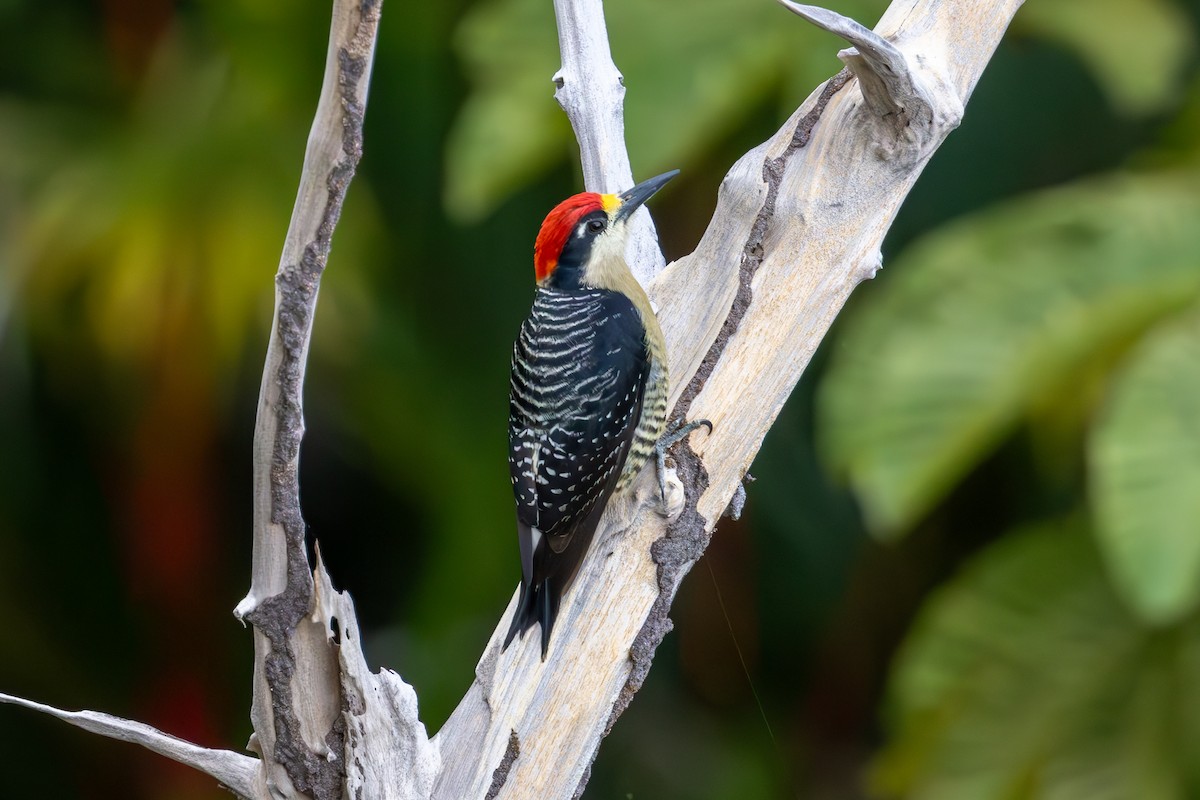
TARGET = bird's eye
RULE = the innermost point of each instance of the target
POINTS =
(595, 225)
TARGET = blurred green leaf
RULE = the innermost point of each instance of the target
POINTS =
(1179, 141)
(163, 222)
(1026, 678)
(1145, 472)
(992, 314)
(1138, 49)
(509, 127)
(694, 71)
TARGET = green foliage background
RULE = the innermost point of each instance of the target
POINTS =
(969, 568)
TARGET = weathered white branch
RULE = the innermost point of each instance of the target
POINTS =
(324, 723)
(235, 771)
(591, 91)
(799, 223)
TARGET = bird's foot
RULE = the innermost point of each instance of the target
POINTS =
(677, 430)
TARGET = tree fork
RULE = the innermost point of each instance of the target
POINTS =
(798, 224)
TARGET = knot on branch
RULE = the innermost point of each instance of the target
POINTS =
(908, 95)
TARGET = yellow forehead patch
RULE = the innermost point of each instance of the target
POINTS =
(609, 202)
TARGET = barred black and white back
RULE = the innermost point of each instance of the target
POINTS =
(577, 407)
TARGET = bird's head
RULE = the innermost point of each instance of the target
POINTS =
(582, 241)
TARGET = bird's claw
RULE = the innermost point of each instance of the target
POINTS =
(676, 431)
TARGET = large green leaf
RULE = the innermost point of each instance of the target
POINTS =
(1145, 473)
(991, 315)
(1137, 49)
(1026, 677)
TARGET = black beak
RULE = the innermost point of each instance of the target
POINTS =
(633, 199)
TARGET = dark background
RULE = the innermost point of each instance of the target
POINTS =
(149, 153)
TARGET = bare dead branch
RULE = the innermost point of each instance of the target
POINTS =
(235, 771)
(314, 701)
(323, 723)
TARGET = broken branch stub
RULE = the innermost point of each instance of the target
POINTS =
(882, 70)
(907, 91)
(387, 752)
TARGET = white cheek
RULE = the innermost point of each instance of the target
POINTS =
(610, 245)
(607, 263)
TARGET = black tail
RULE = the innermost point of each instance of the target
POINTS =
(523, 617)
(538, 603)
(547, 571)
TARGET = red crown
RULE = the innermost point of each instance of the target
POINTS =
(557, 228)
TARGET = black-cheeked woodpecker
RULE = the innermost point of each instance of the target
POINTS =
(588, 393)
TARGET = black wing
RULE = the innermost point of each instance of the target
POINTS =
(578, 376)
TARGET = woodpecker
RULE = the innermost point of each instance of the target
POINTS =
(587, 393)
